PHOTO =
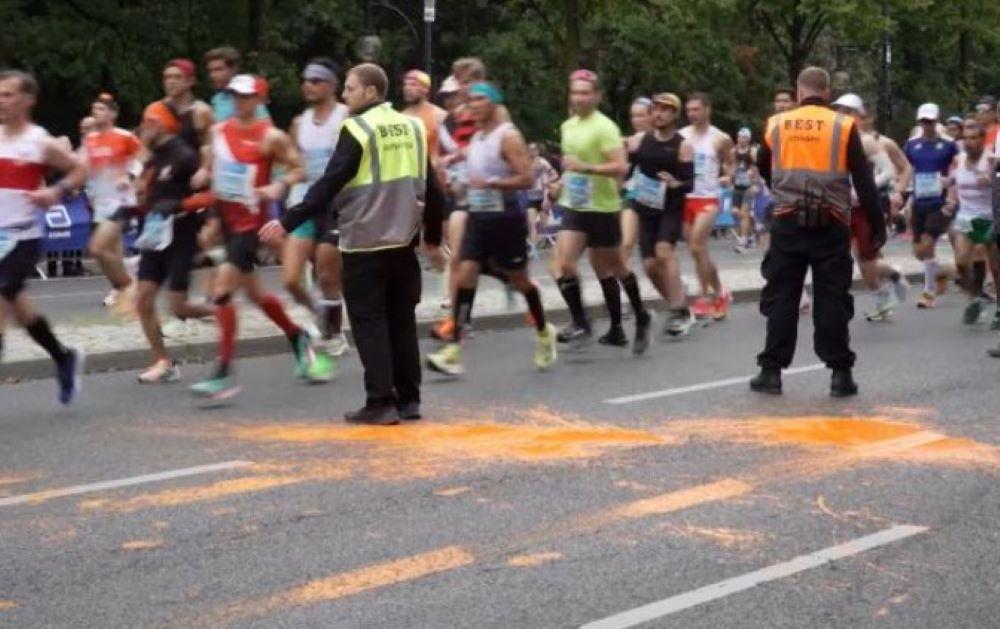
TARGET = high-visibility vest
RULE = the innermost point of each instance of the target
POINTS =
(809, 158)
(382, 206)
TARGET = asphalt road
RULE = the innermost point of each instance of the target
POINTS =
(522, 499)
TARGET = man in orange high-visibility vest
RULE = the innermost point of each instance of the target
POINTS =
(811, 158)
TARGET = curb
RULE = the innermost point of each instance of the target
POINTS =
(203, 352)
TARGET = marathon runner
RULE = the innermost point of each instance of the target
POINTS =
(664, 173)
(543, 178)
(416, 95)
(744, 181)
(640, 118)
(972, 195)
(594, 162)
(315, 134)
(931, 156)
(169, 240)
(713, 166)
(499, 167)
(112, 157)
(221, 65)
(27, 151)
(243, 151)
(894, 187)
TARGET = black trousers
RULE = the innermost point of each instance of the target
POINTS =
(793, 251)
(382, 289)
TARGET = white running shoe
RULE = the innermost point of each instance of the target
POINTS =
(161, 372)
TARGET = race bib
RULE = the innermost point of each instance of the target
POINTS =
(157, 233)
(234, 182)
(742, 179)
(485, 200)
(579, 190)
(650, 192)
(927, 185)
(316, 161)
(700, 164)
(7, 243)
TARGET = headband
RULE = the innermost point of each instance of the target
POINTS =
(319, 72)
(489, 91)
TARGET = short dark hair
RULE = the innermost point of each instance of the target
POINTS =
(230, 55)
(702, 97)
(784, 89)
(26, 82)
(372, 75)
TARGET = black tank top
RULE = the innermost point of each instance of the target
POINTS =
(654, 156)
(744, 161)
(188, 132)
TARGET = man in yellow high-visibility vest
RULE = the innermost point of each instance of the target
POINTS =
(379, 187)
(811, 158)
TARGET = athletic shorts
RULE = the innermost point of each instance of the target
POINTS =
(241, 250)
(741, 196)
(978, 230)
(861, 233)
(499, 241)
(305, 231)
(928, 220)
(603, 229)
(693, 206)
(18, 266)
(316, 230)
(659, 227)
(172, 266)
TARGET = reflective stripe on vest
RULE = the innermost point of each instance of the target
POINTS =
(809, 157)
(382, 206)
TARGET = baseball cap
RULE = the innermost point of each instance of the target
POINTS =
(450, 85)
(162, 113)
(667, 99)
(928, 111)
(418, 76)
(850, 101)
(186, 66)
(246, 85)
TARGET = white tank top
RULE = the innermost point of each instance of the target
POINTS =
(707, 167)
(22, 169)
(974, 185)
(485, 160)
(316, 142)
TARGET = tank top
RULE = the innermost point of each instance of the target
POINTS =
(428, 115)
(975, 196)
(706, 162)
(316, 142)
(239, 168)
(652, 157)
(744, 162)
(22, 168)
(189, 130)
(485, 161)
(109, 154)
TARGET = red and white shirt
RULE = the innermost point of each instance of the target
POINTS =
(240, 167)
(22, 169)
(110, 154)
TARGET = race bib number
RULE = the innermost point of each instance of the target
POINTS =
(927, 185)
(234, 182)
(485, 200)
(316, 161)
(7, 243)
(157, 233)
(579, 190)
(650, 192)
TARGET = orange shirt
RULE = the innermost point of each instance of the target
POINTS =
(109, 154)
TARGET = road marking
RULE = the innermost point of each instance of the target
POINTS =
(76, 490)
(725, 588)
(684, 499)
(704, 386)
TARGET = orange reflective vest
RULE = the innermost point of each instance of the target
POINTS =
(809, 158)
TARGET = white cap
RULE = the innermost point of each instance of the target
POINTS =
(850, 101)
(928, 111)
(244, 84)
(450, 85)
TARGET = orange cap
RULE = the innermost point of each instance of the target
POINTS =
(159, 112)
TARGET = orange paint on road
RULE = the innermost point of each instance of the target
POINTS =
(724, 537)
(534, 559)
(6, 606)
(142, 544)
(684, 498)
(187, 495)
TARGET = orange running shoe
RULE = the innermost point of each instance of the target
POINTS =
(702, 307)
(444, 331)
(720, 307)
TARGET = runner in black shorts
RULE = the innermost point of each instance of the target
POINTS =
(167, 182)
(664, 174)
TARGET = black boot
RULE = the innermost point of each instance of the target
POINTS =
(374, 413)
(767, 381)
(842, 383)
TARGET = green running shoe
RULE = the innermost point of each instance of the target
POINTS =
(545, 348)
(324, 368)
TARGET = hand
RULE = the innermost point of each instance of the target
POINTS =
(725, 181)
(895, 201)
(948, 209)
(572, 163)
(478, 183)
(435, 257)
(201, 179)
(272, 233)
(46, 197)
(670, 180)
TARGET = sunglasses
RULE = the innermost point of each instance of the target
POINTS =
(314, 81)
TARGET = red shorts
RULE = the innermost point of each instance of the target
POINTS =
(861, 234)
(693, 206)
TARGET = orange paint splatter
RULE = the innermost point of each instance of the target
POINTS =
(451, 492)
(534, 559)
(684, 498)
(6, 606)
(18, 478)
(142, 544)
(723, 537)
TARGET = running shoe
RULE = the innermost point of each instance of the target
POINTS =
(303, 351)
(174, 328)
(900, 285)
(925, 301)
(545, 348)
(702, 307)
(614, 337)
(995, 325)
(972, 312)
(679, 323)
(447, 360)
(69, 372)
(125, 304)
(162, 372)
(444, 330)
(323, 368)
(643, 323)
(575, 336)
(216, 388)
(720, 307)
(337, 345)
(111, 298)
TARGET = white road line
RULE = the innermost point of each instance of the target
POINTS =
(704, 386)
(40, 496)
(722, 589)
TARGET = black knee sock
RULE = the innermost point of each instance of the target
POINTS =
(41, 333)
(535, 307)
(613, 299)
(631, 285)
(570, 289)
(978, 277)
(468, 313)
(461, 309)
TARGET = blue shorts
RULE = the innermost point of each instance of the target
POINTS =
(305, 231)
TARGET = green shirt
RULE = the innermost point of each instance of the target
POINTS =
(588, 140)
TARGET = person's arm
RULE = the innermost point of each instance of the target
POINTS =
(951, 195)
(63, 160)
(203, 120)
(434, 204)
(282, 151)
(341, 168)
(764, 163)
(864, 185)
(727, 159)
(615, 164)
(514, 151)
(904, 170)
